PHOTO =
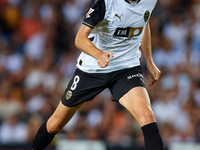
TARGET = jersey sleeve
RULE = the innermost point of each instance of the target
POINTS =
(95, 13)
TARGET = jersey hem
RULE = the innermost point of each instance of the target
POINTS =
(105, 71)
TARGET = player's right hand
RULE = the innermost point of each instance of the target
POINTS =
(103, 59)
(155, 73)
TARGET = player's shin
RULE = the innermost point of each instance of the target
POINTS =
(152, 137)
(42, 139)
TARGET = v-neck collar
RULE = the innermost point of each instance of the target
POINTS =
(130, 3)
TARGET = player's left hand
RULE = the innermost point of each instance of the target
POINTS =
(155, 73)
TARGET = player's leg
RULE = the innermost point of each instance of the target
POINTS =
(56, 122)
(81, 88)
(137, 102)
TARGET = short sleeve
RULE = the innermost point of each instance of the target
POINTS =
(95, 13)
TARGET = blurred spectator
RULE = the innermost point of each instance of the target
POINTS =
(13, 131)
(38, 57)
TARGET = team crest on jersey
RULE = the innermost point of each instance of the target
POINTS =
(146, 15)
(89, 12)
(68, 95)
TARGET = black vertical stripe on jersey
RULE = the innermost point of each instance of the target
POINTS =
(98, 14)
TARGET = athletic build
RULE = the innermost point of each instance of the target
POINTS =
(110, 37)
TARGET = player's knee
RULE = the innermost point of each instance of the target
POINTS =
(53, 127)
(147, 116)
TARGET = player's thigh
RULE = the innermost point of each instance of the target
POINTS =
(83, 87)
(61, 117)
(137, 102)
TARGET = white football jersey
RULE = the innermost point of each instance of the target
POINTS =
(120, 31)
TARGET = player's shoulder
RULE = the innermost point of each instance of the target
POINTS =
(95, 14)
(96, 2)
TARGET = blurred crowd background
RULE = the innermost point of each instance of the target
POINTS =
(38, 58)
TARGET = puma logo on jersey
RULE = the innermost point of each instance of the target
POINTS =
(89, 12)
(119, 16)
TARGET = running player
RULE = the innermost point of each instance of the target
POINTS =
(109, 38)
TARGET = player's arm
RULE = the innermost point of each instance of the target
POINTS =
(95, 14)
(84, 44)
(146, 50)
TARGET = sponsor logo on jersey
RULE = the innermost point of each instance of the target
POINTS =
(119, 16)
(68, 95)
(128, 32)
(146, 15)
(122, 32)
(89, 12)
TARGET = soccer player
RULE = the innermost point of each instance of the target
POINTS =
(110, 37)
